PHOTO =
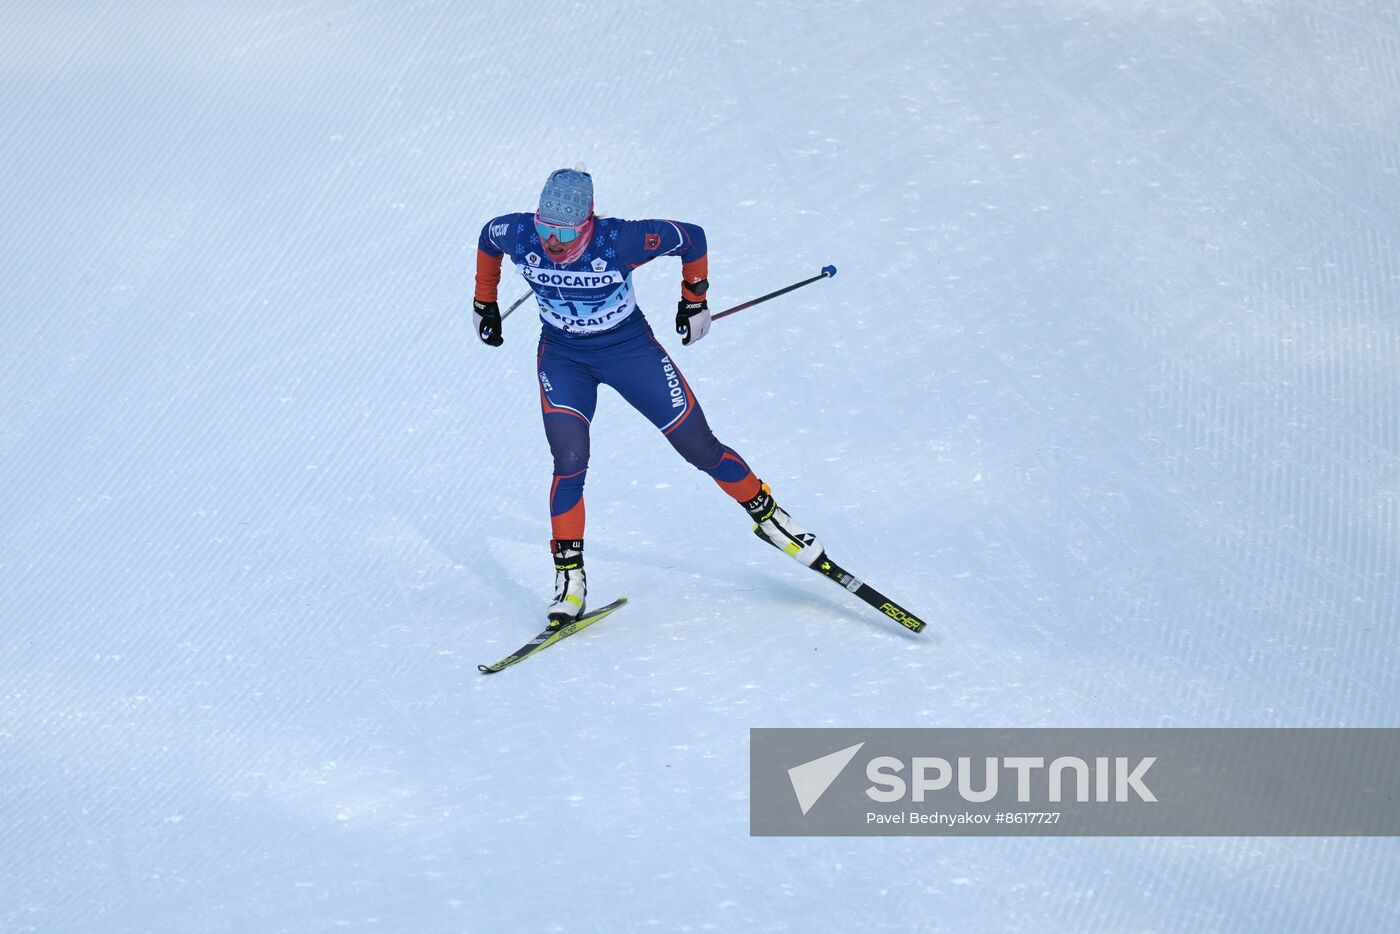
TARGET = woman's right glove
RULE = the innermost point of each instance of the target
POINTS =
(487, 316)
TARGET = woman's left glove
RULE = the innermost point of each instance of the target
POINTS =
(692, 320)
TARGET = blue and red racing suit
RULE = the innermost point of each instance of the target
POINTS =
(593, 332)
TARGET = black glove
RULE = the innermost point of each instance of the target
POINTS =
(487, 316)
(692, 320)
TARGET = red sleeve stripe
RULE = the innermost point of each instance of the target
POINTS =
(488, 275)
(694, 271)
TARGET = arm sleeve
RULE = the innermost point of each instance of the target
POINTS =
(643, 241)
(488, 263)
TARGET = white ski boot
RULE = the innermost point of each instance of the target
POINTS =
(778, 529)
(570, 584)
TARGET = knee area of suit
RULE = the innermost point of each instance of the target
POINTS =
(570, 461)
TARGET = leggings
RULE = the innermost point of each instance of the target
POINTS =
(641, 371)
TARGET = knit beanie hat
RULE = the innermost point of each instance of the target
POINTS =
(567, 198)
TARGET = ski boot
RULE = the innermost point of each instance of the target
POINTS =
(775, 526)
(570, 584)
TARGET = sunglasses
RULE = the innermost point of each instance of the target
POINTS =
(563, 232)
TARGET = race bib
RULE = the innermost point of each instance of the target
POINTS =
(585, 315)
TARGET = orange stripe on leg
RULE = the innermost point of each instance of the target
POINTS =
(742, 490)
(569, 524)
(689, 400)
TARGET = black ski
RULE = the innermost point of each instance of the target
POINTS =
(550, 636)
(828, 568)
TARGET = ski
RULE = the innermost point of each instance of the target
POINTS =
(550, 636)
(828, 568)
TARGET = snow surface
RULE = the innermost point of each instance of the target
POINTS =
(1106, 389)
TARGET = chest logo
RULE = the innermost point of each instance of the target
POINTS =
(599, 265)
(533, 259)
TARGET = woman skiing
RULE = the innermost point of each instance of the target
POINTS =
(580, 268)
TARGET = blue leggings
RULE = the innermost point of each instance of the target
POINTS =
(638, 367)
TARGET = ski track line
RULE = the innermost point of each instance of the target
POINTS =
(267, 279)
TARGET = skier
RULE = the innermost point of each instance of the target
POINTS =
(579, 266)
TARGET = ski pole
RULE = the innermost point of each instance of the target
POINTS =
(826, 273)
(516, 304)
